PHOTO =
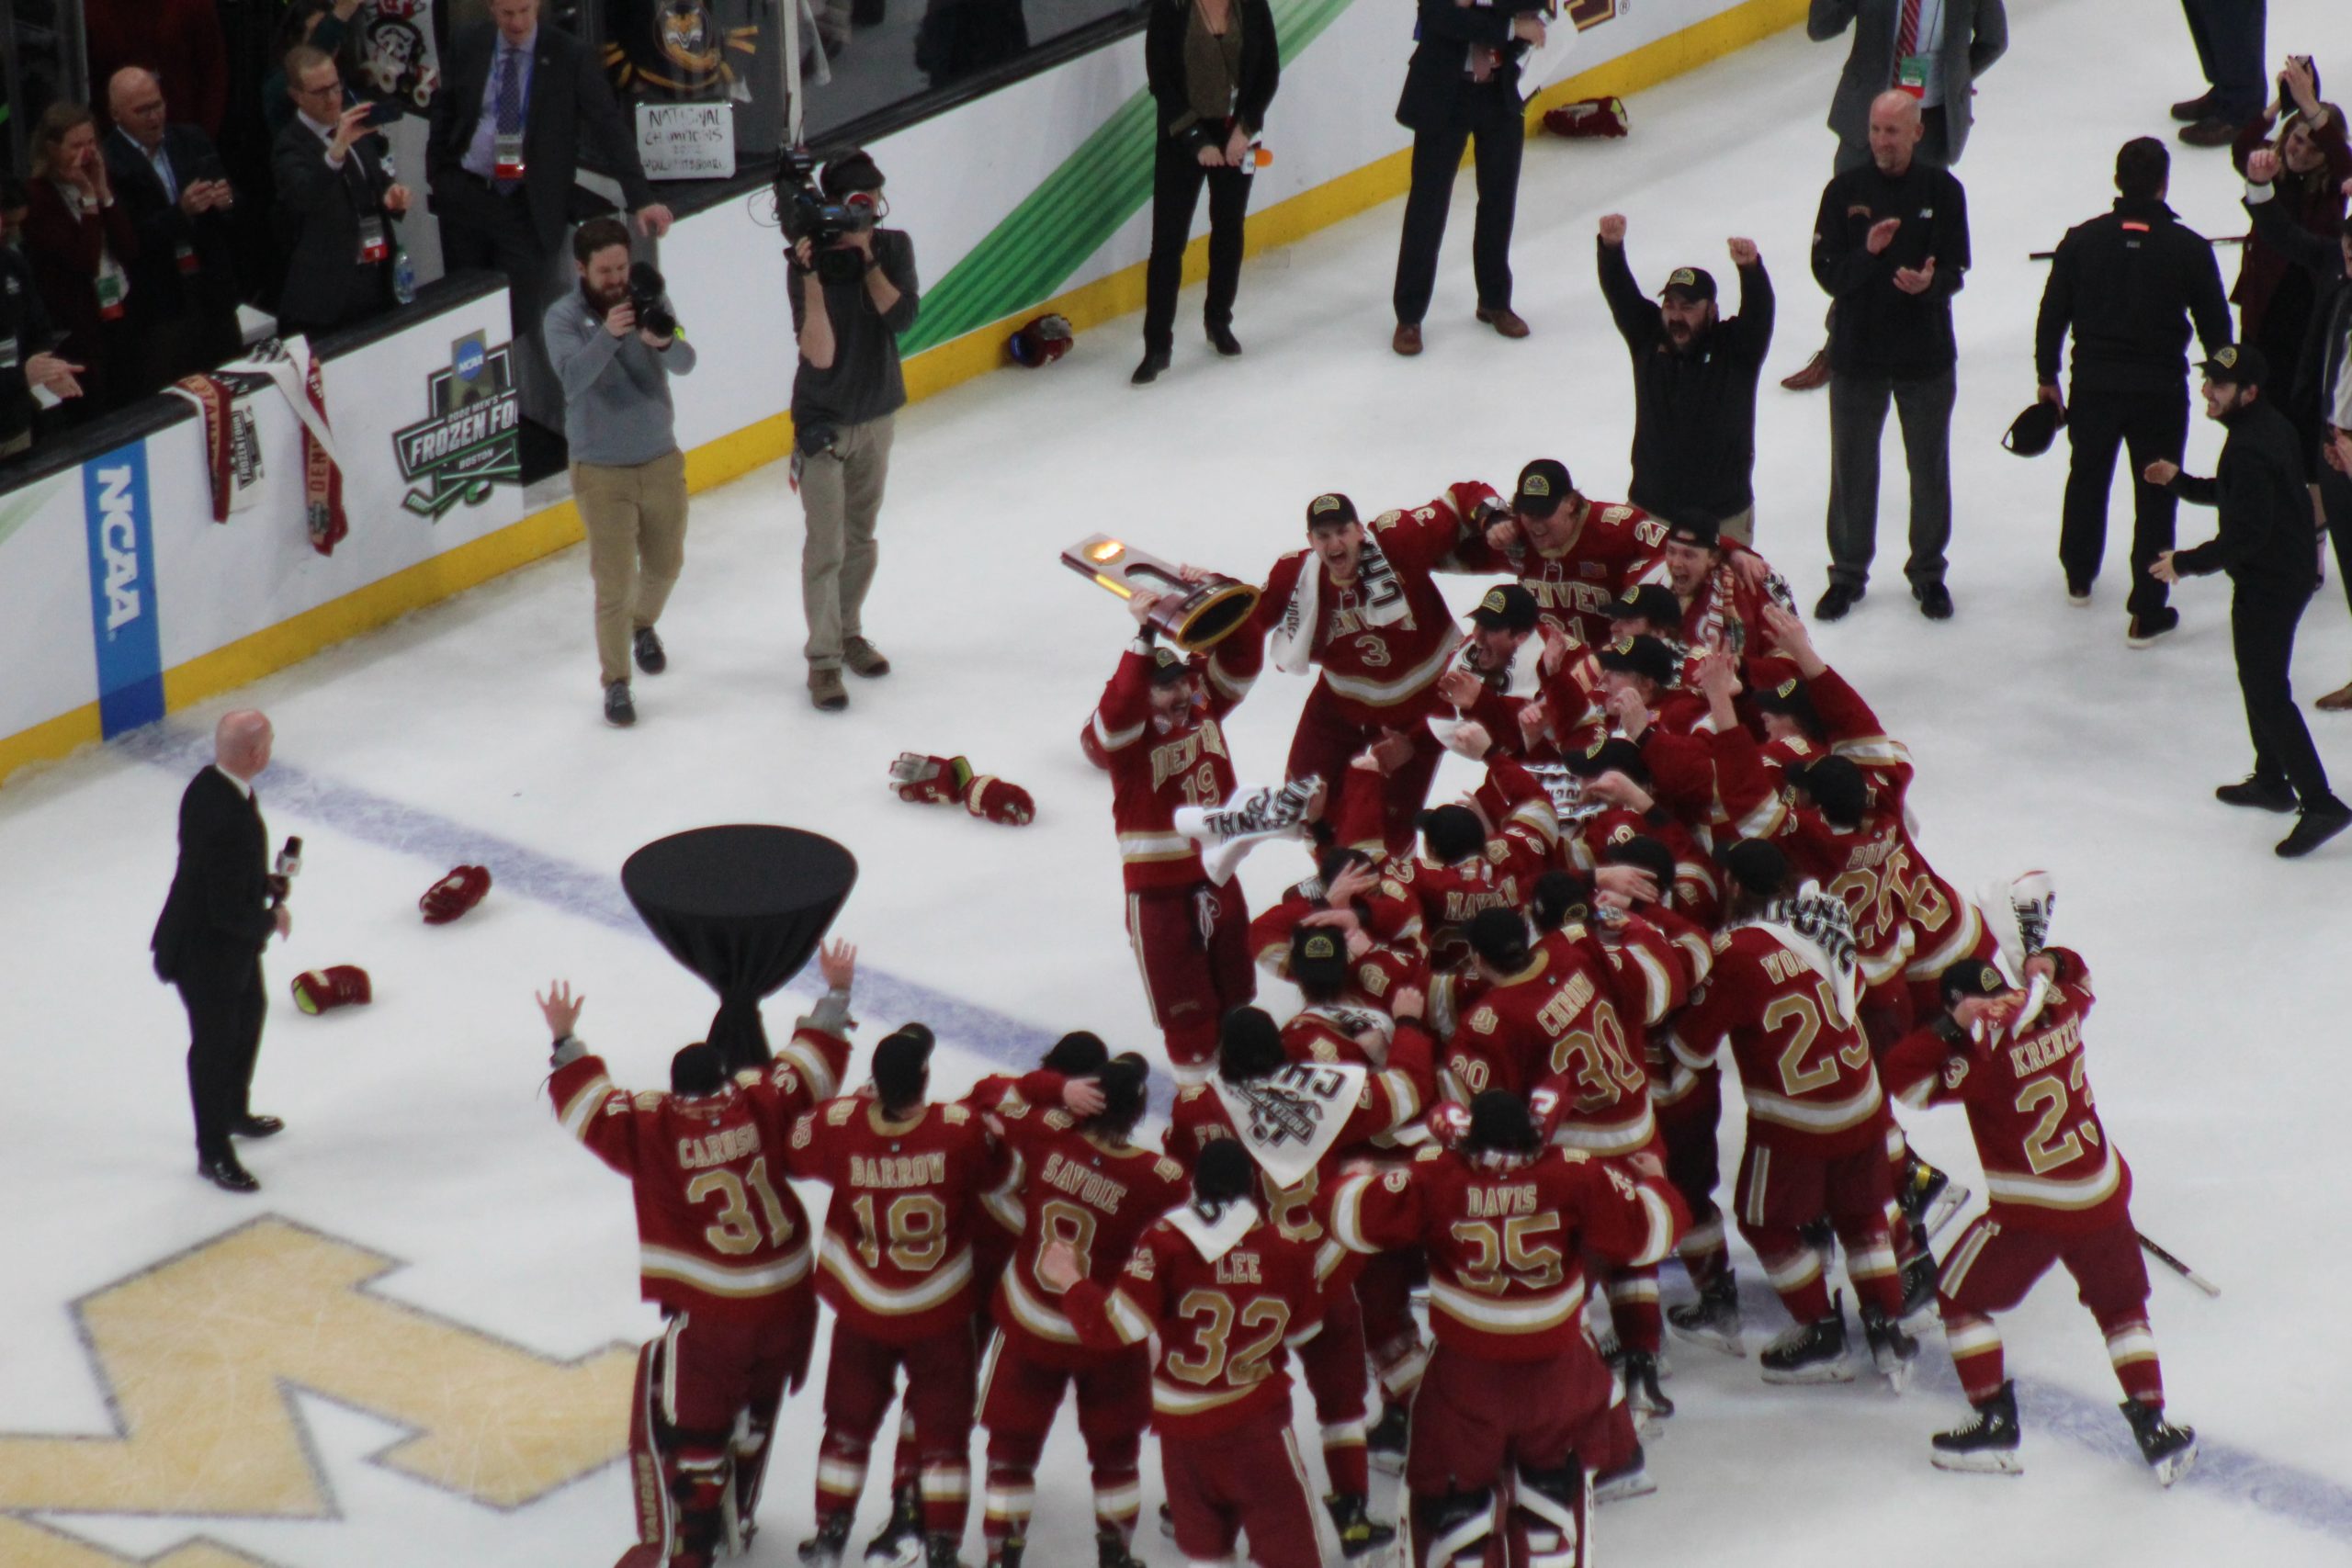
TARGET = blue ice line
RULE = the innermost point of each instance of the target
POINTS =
(572, 889)
(2240, 1475)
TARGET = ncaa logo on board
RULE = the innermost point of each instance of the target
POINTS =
(471, 356)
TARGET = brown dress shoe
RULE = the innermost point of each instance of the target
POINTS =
(1506, 322)
(863, 658)
(826, 692)
(2337, 701)
(2196, 108)
(1407, 340)
(2211, 131)
(1813, 377)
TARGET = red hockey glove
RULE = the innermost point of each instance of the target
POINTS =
(1043, 341)
(321, 990)
(930, 781)
(1588, 117)
(989, 796)
(455, 894)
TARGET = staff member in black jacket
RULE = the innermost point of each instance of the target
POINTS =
(1213, 66)
(2267, 547)
(2128, 284)
(182, 281)
(216, 921)
(1694, 386)
(1461, 86)
(1890, 248)
(335, 203)
(2320, 391)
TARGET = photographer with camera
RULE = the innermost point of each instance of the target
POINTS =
(852, 293)
(615, 344)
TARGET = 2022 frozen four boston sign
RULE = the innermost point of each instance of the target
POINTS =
(471, 439)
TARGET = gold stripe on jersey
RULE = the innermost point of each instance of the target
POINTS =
(1385, 693)
(1115, 739)
(1128, 1321)
(840, 1260)
(1508, 1315)
(1144, 848)
(582, 1105)
(1604, 1139)
(2042, 1192)
(1964, 939)
(815, 1071)
(1175, 1399)
(1816, 1116)
(730, 1279)
(1033, 1314)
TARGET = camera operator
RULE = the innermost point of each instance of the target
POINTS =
(852, 293)
(614, 344)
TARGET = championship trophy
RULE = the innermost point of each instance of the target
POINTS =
(1191, 616)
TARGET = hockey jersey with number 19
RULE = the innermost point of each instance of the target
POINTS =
(1155, 769)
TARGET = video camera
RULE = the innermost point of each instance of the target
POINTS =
(806, 213)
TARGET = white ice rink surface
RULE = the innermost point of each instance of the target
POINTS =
(471, 732)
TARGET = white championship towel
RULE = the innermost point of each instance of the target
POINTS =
(1289, 1120)
(1255, 814)
(1384, 603)
(1819, 929)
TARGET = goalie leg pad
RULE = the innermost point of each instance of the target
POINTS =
(657, 1514)
(1552, 1511)
(1452, 1531)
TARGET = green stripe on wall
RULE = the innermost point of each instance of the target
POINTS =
(1027, 257)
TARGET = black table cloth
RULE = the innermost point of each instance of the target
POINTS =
(744, 906)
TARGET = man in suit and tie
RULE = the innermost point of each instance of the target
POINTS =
(335, 203)
(183, 282)
(1462, 88)
(220, 914)
(1933, 50)
(519, 100)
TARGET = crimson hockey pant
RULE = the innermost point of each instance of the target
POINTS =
(1192, 946)
(1633, 1311)
(990, 1250)
(1385, 1293)
(1694, 1168)
(692, 1384)
(1018, 1398)
(1996, 1262)
(1481, 1426)
(861, 1378)
(1782, 1192)
(1327, 742)
(1336, 1368)
(1246, 1479)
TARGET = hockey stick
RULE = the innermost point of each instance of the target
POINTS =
(2176, 1266)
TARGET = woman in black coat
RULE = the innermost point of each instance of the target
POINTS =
(1213, 66)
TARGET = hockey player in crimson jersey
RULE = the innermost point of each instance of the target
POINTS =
(1573, 554)
(1623, 809)
(1360, 603)
(1721, 588)
(1371, 971)
(724, 1250)
(1085, 1184)
(1783, 994)
(897, 1270)
(1227, 1296)
(1166, 749)
(1484, 854)
(1300, 1121)
(1514, 1388)
(2060, 1192)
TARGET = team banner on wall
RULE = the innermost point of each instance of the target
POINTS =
(118, 514)
(471, 436)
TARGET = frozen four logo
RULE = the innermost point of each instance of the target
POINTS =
(472, 439)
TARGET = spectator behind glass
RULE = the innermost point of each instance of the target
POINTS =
(325, 25)
(2273, 295)
(24, 362)
(336, 204)
(80, 241)
(1213, 68)
(183, 284)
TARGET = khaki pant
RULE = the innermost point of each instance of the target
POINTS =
(636, 519)
(841, 492)
(1740, 527)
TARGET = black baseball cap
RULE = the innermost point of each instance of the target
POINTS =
(2030, 434)
(1651, 602)
(1318, 955)
(1507, 607)
(1688, 283)
(1169, 666)
(1330, 510)
(2238, 364)
(1971, 978)
(1645, 656)
(1704, 532)
(1614, 755)
(1544, 487)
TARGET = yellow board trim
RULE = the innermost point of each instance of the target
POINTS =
(950, 364)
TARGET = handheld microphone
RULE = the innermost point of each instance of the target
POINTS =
(289, 865)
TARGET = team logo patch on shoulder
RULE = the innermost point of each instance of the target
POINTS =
(748, 1076)
(1615, 513)
(1324, 1051)
(1191, 1092)
(1484, 1021)
(650, 1098)
(955, 1115)
(1012, 1107)
(1060, 1121)
(1167, 1169)
(1575, 1157)
(838, 1114)
(1398, 1180)
(1722, 942)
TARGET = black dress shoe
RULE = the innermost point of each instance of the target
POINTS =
(2316, 827)
(645, 644)
(1148, 371)
(258, 1127)
(227, 1175)
(1840, 598)
(1935, 600)
(2262, 795)
(1223, 340)
(619, 711)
